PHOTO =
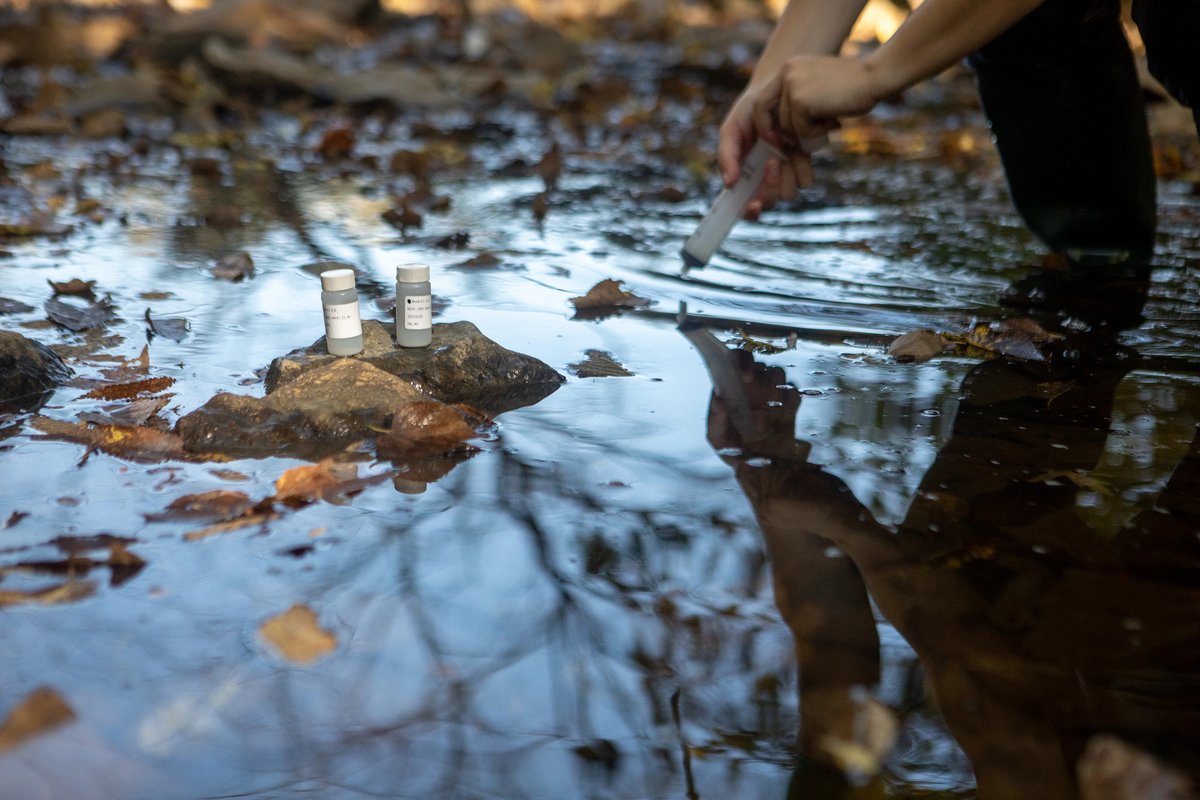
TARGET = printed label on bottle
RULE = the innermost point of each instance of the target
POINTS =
(418, 312)
(342, 321)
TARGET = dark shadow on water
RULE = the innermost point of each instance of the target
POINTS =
(1035, 630)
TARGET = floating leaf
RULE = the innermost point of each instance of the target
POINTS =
(424, 428)
(215, 504)
(1015, 338)
(920, 345)
(482, 261)
(134, 414)
(261, 513)
(141, 445)
(79, 317)
(15, 517)
(8, 306)
(67, 592)
(323, 481)
(599, 364)
(173, 328)
(75, 286)
(125, 391)
(40, 712)
(606, 297)
(298, 636)
(234, 267)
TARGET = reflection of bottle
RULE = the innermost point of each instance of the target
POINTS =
(343, 324)
(414, 306)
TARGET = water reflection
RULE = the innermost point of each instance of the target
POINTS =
(1043, 609)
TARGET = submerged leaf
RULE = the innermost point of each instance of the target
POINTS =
(134, 414)
(313, 482)
(40, 712)
(216, 504)
(67, 592)
(173, 328)
(141, 445)
(298, 636)
(234, 267)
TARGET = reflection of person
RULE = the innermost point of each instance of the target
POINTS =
(1057, 82)
(1034, 631)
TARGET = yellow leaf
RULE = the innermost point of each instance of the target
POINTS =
(298, 635)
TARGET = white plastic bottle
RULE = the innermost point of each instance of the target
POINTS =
(414, 306)
(343, 321)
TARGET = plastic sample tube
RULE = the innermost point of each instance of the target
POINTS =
(732, 201)
(339, 302)
(728, 206)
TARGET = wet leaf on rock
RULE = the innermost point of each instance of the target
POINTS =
(234, 267)
(40, 712)
(126, 391)
(606, 297)
(599, 364)
(79, 316)
(920, 345)
(75, 286)
(173, 328)
(297, 635)
(424, 428)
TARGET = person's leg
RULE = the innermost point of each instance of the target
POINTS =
(1169, 29)
(1061, 92)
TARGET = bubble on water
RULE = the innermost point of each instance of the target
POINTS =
(930, 412)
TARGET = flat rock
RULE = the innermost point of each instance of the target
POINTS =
(28, 370)
(460, 366)
(324, 410)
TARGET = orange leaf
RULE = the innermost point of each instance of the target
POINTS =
(298, 636)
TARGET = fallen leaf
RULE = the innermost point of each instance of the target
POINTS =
(424, 428)
(129, 369)
(124, 391)
(216, 504)
(234, 267)
(8, 306)
(141, 445)
(605, 297)
(540, 207)
(599, 364)
(75, 286)
(403, 217)
(298, 636)
(79, 317)
(67, 592)
(40, 712)
(482, 261)
(173, 328)
(134, 414)
(920, 345)
(336, 144)
(15, 518)
(1015, 338)
(260, 514)
(313, 482)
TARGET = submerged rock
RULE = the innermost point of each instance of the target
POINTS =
(318, 404)
(28, 370)
(461, 366)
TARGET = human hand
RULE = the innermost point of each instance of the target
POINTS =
(782, 178)
(810, 93)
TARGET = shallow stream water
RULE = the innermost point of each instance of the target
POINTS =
(589, 606)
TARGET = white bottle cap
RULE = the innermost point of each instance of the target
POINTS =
(412, 273)
(335, 280)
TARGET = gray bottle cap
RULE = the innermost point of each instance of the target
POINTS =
(335, 280)
(412, 273)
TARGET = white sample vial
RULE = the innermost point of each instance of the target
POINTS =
(414, 306)
(732, 201)
(343, 323)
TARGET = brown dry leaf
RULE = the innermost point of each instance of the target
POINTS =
(336, 144)
(260, 514)
(424, 428)
(403, 217)
(216, 504)
(40, 712)
(920, 345)
(1016, 338)
(141, 445)
(298, 636)
(607, 295)
(127, 391)
(67, 592)
(75, 286)
(234, 267)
